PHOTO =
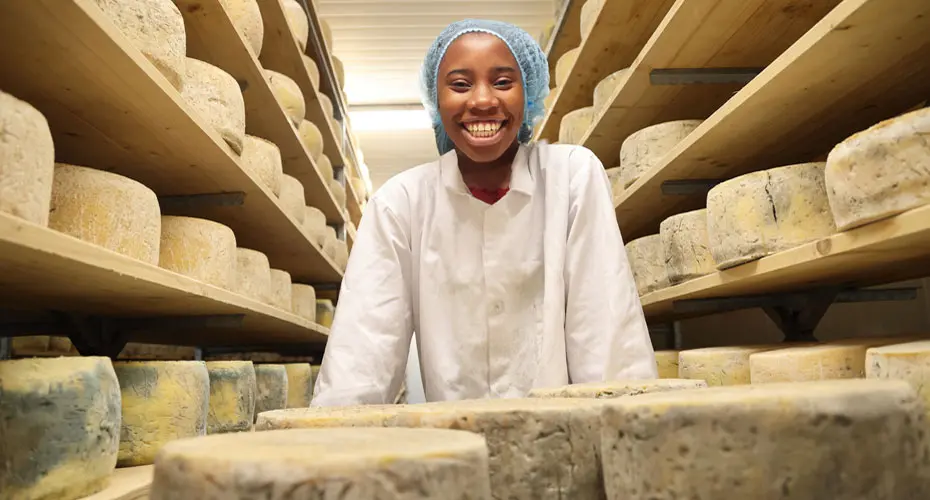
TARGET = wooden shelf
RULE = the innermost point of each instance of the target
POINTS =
(887, 251)
(566, 34)
(41, 266)
(843, 76)
(621, 30)
(110, 108)
(699, 34)
(130, 483)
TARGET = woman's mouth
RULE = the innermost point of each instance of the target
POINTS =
(484, 129)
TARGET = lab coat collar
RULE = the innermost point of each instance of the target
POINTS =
(521, 177)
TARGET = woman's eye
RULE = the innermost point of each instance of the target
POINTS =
(503, 82)
(460, 84)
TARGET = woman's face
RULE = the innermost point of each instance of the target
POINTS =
(480, 96)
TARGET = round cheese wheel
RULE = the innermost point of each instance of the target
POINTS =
(262, 159)
(746, 442)
(563, 66)
(247, 18)
(27, 161)
(303, 301)
(292, 198)
(617, 388)
(647, 261)
(349, 464)
(199, 248)
(908, 361)
(60, 427)
(29, 346)
(312, 139)
(589, 12)
(329, 241)
(297, 21)
(326, 103)
(156, 28)
(137, 351)
(325, 167)
(727, 365)
(106, 209)
(216, 98)
(340, 71)
(645, 149)
(549, 100)
(314, 71)
(575, 124)
(765, 212)
(616, 187)
(880, 172)
(667, 363)
(299, 385)
(315, 225)
(280, 289)
(232, 396)
(325, 312)
(341, 255)
(339, 193)
(686, 246)
(359, 186)
(827, 361)
(161, 401)
(605, 89)
(288, 94)
(253, 275)
(369, 415)
(327, 34)
(271, 381)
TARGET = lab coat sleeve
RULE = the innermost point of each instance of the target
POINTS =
(605, 330)
(366, 353)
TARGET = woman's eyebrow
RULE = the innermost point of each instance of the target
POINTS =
(461, 71)
(504, 69)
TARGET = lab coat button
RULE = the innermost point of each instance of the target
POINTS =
(497, 307)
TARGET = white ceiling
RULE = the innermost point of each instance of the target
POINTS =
(382, 43)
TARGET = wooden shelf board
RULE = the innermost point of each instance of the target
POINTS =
(621, 30)
(43, 269)
(109, 108)
(566, 34)
(130, 483)
(699, 34)
(843, 76)
(887, 251)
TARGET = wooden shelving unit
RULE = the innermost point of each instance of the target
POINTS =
(566, 34)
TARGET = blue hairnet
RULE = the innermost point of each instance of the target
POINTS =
(534, 69)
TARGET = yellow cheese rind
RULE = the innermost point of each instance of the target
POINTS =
(326, 103)
(720, 365)
(315, 225)
(312, 138)
(667, 363)
(613, 175)
(299, 385)
(198, 248)
(341, 254)
(762, 213)
(247, 18)
(880, 172)
(606, 87)
(645, 149)
(339, 192)
(314, 71)
(348, 464)
(564, 66)
(59, 425)
(215, 96)
(327, 34)
(340, 71)
(153, 352)
(297, 21)
(325, 312)
(575, 124)
(909, 361)
(162, 401)
(303, 301)
(262, 159)
(106, 209)
(156, 28)
(329, 242)
(288, 94)
(857, 436)
(280, 296)
(325, 167)
(253, 275)
(827, 361)
(647, 261)
(27, 161)
(617, 388)
(271, 394)
(686, 246)
(549, 100)
(232, 396)
(293, 200)
(589, 12)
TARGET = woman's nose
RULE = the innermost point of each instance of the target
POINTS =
(483, 98)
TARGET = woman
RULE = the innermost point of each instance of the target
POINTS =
(504, 257)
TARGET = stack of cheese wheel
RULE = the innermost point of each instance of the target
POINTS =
(720, 365)
(325, 312)
(667, 363)
(826, 361)
(27, 161)
(106, 209)
(299, 385)
(589, 12)
(271, 393)
(156, 28)
(563, 66)
(813, 440)
(647, 262)
(325, 166)
(686, 247)
(765, 212)
(643, 150)
(280, 295)
(613, 176)
(288, 94)
(326, 463)
(617, 388)
(61, 427)
(215, 95)
(293, 199)
(161, 401)
(232, 396)
(315, 225)
(199, 248)
(247, 18)
(312, 139)
(314, 71)
(575, 124)
(262, 159)
(303, 301)
(298, 22)
(880, 172)
(253, 275)
(909, 361)
(606, 87)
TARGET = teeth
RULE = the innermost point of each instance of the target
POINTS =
(483, 129)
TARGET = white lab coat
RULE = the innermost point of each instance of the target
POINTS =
(532, 291)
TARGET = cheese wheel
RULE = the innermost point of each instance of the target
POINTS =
(686, 246)
(271, 381)
(215, 96)
(29, 346)
(293, 200)
(340, 71)
(156, 28)
(667, 363)
(161, 401)
(297, 21)
(288, 94)
(325, 167)
(198, 248)
(617, 388)
(880, 172)
(762, 213)
(348, 464)
(315, 370)
(106, 209)
(329, 242)
(549, 100)
(303, 301)
(137, 351)
(645, 149)
(647, 261)
(312, 139)
(232, 396)
(613, 176)
(315, 225)
(589, 12)
(827, 361)
(280, 296)
(326, 103)
(299, 385)
(605, 89)
(314, 71)
(60, 427)
(325, 312)
(575, 124)
(27, 161)
(247, 18)
(341, 255)
(339, 193)
(262, 159)
(563, 66)
(369, 415)
(253, 275)
(908, 361)
(720, 365)
(747, 441)
(359, 186)
(327, 34)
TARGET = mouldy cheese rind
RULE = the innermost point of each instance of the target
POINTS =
(247, 18)
(564, 66)
(303, 301)
(298, 22)
(831, 360)
(262, 159)
(312, 139)
(647, 261)
(315, 225)
(215, 96)
(299, 384)
(617, 388)
(643, 150)
(280, 295)
(720, 365)
(686, 246)
(232, 396)
(589, 12)
(288, 94)
(606, 87)
(314, 71)
(575, 124)
(27, 161)
(271, 381)
(292, 198)
(198, 248)
(667, 363)
(325, 312)
(253, 275)
(908, 361)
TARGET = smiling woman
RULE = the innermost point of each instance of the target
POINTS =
(503, 255)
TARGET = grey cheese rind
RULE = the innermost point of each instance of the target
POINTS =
(232, 396)
(216, 97)
(647, 260)
(644, 149)
(27, 161)
(617, 388)
(271, 394)
(686, 246)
